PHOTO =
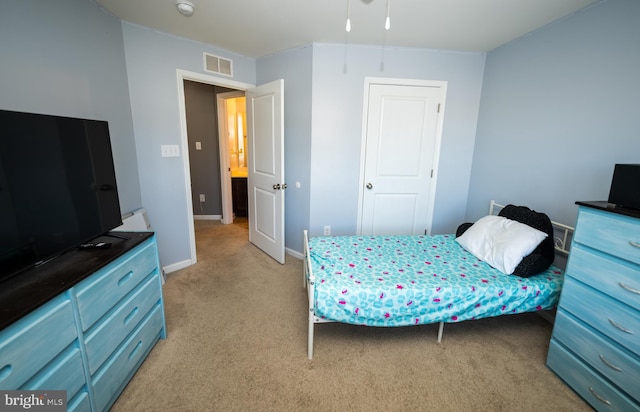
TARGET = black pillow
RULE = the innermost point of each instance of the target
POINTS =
(542, 256)
(463, 228)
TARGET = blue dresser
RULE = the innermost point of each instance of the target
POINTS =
(595, 346)
(91, 337)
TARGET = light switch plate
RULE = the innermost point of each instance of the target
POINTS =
(170, 150)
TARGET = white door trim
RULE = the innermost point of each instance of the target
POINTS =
(368, 81)
(181, 76)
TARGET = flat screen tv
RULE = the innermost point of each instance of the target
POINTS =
(57, 187)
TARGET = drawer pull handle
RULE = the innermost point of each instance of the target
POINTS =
(620, 327)
(133, 352)
(125, 278)
(634, 244)
(5, 372)
(629, 288)
(130, 316)
(609, 364)
(598, 397)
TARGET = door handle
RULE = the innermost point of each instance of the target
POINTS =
(276, 186)
(284, 186)
(369, 186)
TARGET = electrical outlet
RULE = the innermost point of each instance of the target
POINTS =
(202, 198)
(327, 230)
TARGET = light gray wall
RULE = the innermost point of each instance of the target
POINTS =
(295, 67)
(67, 58)
(559, 108)
(337, 111)
(153, 59)
(323, 129)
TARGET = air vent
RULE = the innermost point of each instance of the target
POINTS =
(217, 64)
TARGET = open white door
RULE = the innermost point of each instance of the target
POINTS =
(265, 131)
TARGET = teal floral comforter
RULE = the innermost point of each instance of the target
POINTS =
(410, 280)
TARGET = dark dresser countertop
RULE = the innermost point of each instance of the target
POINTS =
(609, 207)
(28, 290)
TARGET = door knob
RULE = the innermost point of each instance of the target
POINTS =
(276, 186)
(284, 186)
(369, 186)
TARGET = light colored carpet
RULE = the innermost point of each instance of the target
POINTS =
(237, 335)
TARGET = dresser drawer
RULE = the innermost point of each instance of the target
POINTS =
(613, 319)
(80, 403)
(99, 293)
(615, 364)
(64, 373)
(102, 341)
(33, 341)
(615, 234)
(115, 374)
(588, 384)
(614, 277)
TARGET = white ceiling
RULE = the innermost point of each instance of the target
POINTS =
(256, 28)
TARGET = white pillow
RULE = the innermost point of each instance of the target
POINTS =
(501, 242)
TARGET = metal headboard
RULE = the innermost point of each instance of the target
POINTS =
(562, 233)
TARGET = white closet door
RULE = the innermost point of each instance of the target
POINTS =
(402, 132)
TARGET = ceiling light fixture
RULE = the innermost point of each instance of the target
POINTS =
(348, 28)
(387, 22)
(185, 7)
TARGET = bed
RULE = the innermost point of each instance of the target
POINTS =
(391, 281)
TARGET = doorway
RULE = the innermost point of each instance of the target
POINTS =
(216, 121)
(265, 129)
(232, 137)
(182, 76)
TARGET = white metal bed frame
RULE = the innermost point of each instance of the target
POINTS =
(562, 239)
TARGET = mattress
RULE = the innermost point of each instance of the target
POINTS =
(410, 280)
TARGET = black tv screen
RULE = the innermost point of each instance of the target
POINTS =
(57, 187)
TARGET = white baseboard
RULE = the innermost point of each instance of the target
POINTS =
(207, 217)
(174, 267)
(294, 253)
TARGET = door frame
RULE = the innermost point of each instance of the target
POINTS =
(225, 172)
(368, 81)
(181, 76)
